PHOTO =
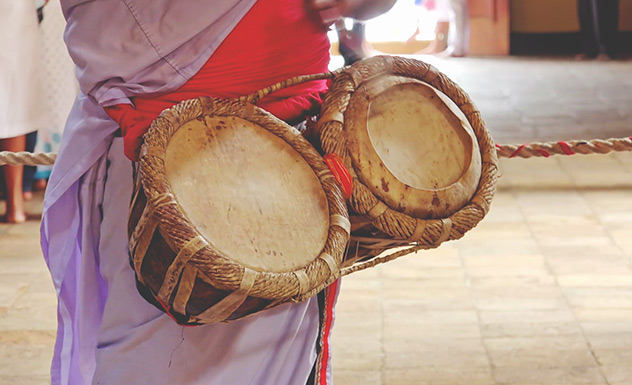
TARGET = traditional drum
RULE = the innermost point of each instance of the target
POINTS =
(234, 212)
(423, 165)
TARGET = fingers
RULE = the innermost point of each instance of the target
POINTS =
(319, 5)
(326, 11)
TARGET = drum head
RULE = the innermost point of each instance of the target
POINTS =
(411, 146)
(248, 192)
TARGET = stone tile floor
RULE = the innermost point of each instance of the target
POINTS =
(539, 293)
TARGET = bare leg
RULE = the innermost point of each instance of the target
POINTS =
(413, 37)
(13, 178)
(440, 42)
(459, 35)
(28, 174)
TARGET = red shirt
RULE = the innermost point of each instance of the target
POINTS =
(274, 41)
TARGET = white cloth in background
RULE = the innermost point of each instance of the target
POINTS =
(459, 33)
(21, 109)
(59, 82)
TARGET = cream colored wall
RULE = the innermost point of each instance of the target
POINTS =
(545, 16)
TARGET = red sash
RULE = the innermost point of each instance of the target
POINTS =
(276, 40)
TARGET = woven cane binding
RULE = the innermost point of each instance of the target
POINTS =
(181, 271)
(388, 226)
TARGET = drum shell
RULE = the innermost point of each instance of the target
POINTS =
(161, 232)
(384, 161)
(156, 263)
(380, 224)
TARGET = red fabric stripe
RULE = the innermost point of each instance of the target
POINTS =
(515, 153)
(544, 153)
(340, 172)
(329, 306)
(566, 148)
(274, 41)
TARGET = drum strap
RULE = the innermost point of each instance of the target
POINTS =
(377, 210)
(332, 116)
(356, 77)
(224, 308)
(445, 233)
(185, 288)
(340, 221)
(325, 174)
(152, 151)
(173, 273)
(143, 233)
(140, 243)
(303, 281)
(329, 260)
(480, 202)
(420, 227)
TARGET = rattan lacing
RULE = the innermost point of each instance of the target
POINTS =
(398, 226)
(218, 268)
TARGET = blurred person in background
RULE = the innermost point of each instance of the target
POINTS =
(598, 27)
(59, 90)
(20, 93)
(452, 29)
(29, 181)
(135, 58)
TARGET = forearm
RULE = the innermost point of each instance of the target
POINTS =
(367, 9)
(329, 11)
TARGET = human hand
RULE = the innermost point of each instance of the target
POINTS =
(329, 11)
(133, 124)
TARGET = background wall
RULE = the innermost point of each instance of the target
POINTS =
(552, 16)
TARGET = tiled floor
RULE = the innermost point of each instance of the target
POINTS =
(539, 293)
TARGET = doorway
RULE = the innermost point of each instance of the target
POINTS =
(394, 31)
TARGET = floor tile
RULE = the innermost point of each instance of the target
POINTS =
(539, 292)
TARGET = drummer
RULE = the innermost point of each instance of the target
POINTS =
(135, 58)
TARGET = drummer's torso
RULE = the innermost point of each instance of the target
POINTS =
(274, 41)
(149, 47)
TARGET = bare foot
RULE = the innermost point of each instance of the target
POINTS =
(435, 46)
(15, 217)
(450, 52)
(40, 184)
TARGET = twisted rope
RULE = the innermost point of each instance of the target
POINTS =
(260, 94)
(379, 260)
(26, 158)
(595, 146)
(530, 150)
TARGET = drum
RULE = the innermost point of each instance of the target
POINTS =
(424, 167)
(234, 212)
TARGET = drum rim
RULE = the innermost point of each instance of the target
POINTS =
(405, 229)
(359, 103)
(226, 274)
